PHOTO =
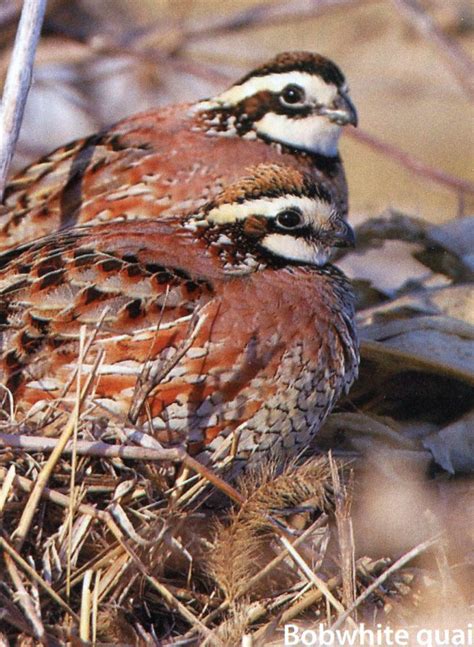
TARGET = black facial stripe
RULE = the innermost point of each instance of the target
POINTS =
(305, 231)
(243, 245)
(247, 112)
(265, 101)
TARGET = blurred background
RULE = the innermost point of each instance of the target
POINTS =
(406, 62)
(410, 415)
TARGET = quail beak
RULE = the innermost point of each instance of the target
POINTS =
(343, 235)
(343, 111)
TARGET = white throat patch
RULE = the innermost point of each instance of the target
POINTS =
(295, 249)
(313, 133)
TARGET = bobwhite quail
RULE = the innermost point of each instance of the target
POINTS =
(226, 323)
(289, 111)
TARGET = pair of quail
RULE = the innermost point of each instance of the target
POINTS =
(194, 240)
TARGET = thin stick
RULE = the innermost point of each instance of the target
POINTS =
(307, 600)
(95, 605)
(24, 599)
(28, 513)
(85, 624)
(89, 448)
(404, 559)
(18, 81)
(161, 588)
(459, 62)
(104, 450)
(72, 487)
(312, 577)
(7, 483)
(35, 576)
(55, 497)
(411, 163)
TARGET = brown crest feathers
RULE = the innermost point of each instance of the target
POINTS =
(270, 181)
(300, 62)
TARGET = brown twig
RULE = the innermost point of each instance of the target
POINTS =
(460, 63)
(52, 495)
(89, 448)
(264, 14)
(18, 81)
(35, 576)
(172, 601)
(25, 599)
(104, 450)
(411, 163)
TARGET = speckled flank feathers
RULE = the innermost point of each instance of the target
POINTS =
(263, 353)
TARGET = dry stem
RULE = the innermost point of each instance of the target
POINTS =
(459, 62)
(414, 552)
(17, 83)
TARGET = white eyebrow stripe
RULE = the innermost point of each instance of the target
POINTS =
(315, 87)
(315, 212)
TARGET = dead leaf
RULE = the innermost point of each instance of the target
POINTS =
(453, 446)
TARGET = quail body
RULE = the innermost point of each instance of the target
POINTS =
(289, 111)
(222, 327)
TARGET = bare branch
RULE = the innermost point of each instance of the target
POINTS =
(89, 448)
(104, 450)
(34, 575)
(460, 63)
(263, 14)
(18, 81)
(412, 163)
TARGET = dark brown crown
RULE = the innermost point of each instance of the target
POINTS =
(301, 62)
(270, 181)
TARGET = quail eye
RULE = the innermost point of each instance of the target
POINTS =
(290, 219)
(292, 94)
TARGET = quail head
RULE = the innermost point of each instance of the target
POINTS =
(289, 111)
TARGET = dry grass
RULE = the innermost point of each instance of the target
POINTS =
(111, 548)
(134, 565)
